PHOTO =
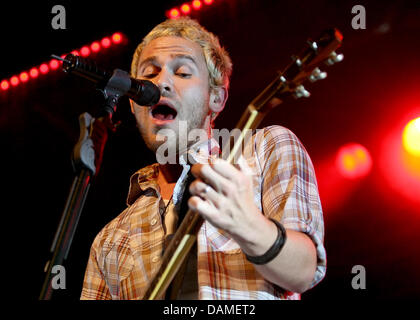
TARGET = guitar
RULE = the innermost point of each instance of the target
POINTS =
(304, 67)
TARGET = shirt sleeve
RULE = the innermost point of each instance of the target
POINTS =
(94, 284)
(289, 188)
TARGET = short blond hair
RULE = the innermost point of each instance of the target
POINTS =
(217, 59)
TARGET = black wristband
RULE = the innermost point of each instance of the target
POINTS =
(275, 248)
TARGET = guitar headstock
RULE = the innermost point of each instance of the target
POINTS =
(306, 66)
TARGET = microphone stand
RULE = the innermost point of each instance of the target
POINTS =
(86, 159)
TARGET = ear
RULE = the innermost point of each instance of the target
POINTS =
(218, 97)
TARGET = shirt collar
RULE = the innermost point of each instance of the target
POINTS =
(146, 177)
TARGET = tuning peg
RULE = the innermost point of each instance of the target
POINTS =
(334, 58)
(297, 61)
(317, 75)
(313, 45)
(300, 92)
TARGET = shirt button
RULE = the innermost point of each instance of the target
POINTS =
(153, 222)
(155, 259)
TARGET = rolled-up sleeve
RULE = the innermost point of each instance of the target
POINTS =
(289, 188)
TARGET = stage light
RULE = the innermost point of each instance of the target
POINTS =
(43, 68)
(54, 64)
(208, 2)
(196, 4)
(353, 161)
(174, 13)
(116, 37)
(106, 42)
(14, 81)
(185, 8)
(34, 73)
(411, 137)
(85, 51)
(95, 46)
(400, 168)
(4, 85)
(24, 76)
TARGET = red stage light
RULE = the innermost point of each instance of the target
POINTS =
(353, 161)
(85, 51)
(106, 42)
(208, 1)
(33, 72)
(400, 169)
(116, 37)
(54, 64)
(24, 76)
(411, 137)
(185, 8)
(196, 4)
(43, 68)
(14, 81)
(174, 13)
(95, 46)
(4, 85)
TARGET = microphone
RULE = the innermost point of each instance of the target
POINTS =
(143, 92)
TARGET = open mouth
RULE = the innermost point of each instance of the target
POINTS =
(163, 112)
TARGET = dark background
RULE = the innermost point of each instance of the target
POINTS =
(363, 99)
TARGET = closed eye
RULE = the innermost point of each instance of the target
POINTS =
(149, 76)
(183, 75)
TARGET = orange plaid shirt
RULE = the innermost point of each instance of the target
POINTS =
(127, 252)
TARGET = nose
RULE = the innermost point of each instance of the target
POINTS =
(164, 82)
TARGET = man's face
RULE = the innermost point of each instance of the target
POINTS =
(177, 66)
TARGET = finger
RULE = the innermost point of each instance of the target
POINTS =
(205, 192)
(211, 177)
(204, 208)
(228, 171)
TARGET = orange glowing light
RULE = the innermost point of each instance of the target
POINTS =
(95, 46)
(174, 13)
(4, 85)
(116, 37)
(196, 4)
(411, 137)
(14, 81)
(185, 8)
(24, 76)
(85, 51)
(353, 161)
(34, 72)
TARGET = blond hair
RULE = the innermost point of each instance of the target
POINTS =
(217, 59)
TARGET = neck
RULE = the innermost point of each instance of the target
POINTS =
(170, 172)
(167, 178)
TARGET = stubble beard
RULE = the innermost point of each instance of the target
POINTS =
(155, 139)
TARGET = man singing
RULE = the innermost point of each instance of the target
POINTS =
(263, 232)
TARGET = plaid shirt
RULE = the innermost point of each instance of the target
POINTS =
(127, 252)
